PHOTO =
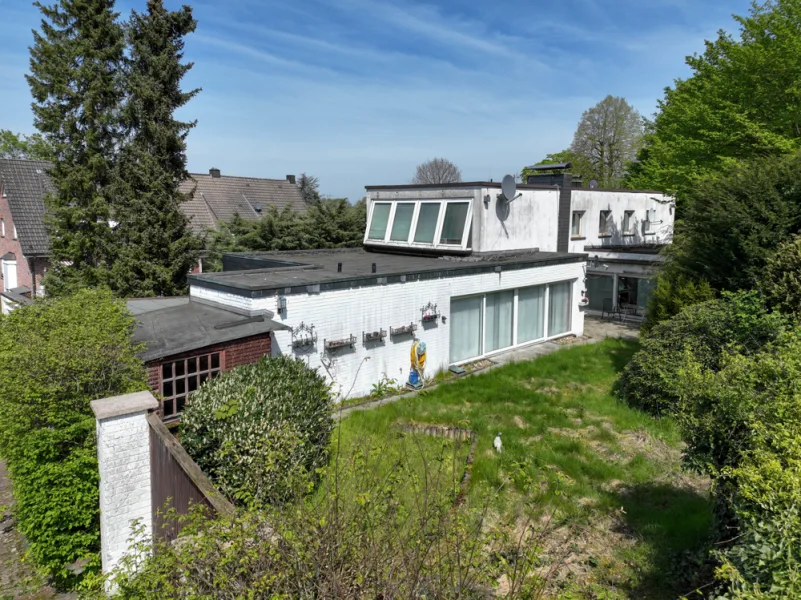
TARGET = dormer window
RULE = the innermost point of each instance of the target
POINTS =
(421, 223)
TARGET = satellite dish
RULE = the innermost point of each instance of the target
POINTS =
(593, 183)
(509, 187)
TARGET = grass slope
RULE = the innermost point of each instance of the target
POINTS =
(610, 474)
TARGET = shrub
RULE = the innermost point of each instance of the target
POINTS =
(57, 355)
(672, 294)
(781, 281)
(742, 426)
(259, 427)
(651, 381)
(376, 528)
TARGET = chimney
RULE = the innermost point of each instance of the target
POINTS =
(214, 172)
(291, 179)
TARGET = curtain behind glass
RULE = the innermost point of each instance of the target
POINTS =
(498, 329)
(453, 224)
(378, 224)
(465, 328)
(426, 223)
(402, 223)
(530, 314)
(559, 308)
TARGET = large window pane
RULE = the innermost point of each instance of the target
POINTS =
(500, 306)
(465, 328)
(645, 289)
(530, 314)
(600, 287)
(378, 224)
(559, 308)
(453, 225)
(427, 223)
(402, 223)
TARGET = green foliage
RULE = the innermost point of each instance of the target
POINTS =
(309, 187)
(154, 249)
(29, 147)
(742, 101)
(57, 356)
(579, 167)
(781, 280)
(705, 332)
(258, 428)
(672, 294)
(75, 84)
(333, 223)
(741, 425)
(378, 529)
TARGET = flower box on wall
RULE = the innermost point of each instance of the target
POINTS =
(403, 330)
(347, 342)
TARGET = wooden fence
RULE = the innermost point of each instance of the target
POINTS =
(177, 483)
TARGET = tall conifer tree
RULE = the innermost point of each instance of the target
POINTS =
(74, 80)
(155, 248)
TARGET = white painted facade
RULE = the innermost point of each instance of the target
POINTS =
(492, 224)
(123, 453)
(338, 314)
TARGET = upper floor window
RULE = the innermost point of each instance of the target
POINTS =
(577, 224)
(650, 220)
(14, 227)
(421, 222)
(2, 228)
(605, 223)
(628, 222)
(378, 224)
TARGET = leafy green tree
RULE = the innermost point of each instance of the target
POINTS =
(742, 101)
(30, 147)
(607, 139)
(672, 294)
(75, 81)
(154, 248)
(309, 188)
(781, 280)
(57, 355)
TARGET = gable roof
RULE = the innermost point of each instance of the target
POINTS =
(220, 198)
(26, 183)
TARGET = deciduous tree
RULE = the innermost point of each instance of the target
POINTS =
(608, 137)
(437, 170)
(28, 147)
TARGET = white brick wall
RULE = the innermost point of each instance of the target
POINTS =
(337, 314)
(123, 452)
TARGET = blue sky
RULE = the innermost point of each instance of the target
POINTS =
(358, 92)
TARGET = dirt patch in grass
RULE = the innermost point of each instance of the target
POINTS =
(520, 422)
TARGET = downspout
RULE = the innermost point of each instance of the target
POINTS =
(32, 268)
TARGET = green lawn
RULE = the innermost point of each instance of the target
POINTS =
(611, 475)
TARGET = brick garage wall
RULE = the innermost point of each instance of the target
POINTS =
(234, 353)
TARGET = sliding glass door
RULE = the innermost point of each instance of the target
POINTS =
(498, 334)
(530, 314)
(559, 308)
(466, 316)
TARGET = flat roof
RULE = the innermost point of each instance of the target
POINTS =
(319, 269)
(180, 327)
(497, 184)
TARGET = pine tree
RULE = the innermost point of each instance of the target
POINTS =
(155, 249)
(74, 81)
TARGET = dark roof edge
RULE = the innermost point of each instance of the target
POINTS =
(454, 269)
(223, 176)
(497, 184)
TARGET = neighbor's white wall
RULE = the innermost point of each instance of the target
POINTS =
(337, 314)
(530, 221)
(123, 452)
(594, 201)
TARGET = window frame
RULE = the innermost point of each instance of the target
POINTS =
(628, 222)
(580, 235)
(410, 243)
(647, 226)
(608, 222)
(2, 227)
(13, 232)
(515, 318)
(211, 373)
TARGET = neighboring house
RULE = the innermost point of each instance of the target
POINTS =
(219, 197)
(24, 245)
(25, 183)
(623, 231)
(187, 342)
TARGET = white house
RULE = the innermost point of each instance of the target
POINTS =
(460, 267)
